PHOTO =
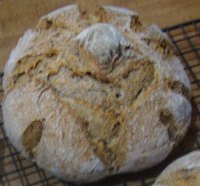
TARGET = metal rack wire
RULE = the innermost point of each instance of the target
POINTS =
(17, 171)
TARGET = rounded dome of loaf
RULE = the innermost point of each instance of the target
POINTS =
(91, 96)
(183, 171)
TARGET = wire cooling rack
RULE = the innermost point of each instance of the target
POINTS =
(17, 171)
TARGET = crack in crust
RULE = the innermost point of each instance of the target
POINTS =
(31, 136)
(159, 41)
(167, 118)
(128, 20)
(105, 135)
(176, 86)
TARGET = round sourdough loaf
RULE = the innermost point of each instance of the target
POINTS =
(185, 171)
(88, 96)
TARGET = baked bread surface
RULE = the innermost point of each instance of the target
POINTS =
(185, 171)
(88, 96)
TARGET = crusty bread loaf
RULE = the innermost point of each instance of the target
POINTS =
(91, 96)
(185, 171)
